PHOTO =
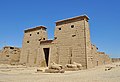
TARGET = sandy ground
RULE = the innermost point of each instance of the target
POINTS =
(29, 74)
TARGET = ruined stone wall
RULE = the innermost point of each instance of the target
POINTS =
(31, 42)
(10, 55)
(103, 58)
(99, 58)
(115, 59)
(95, 55)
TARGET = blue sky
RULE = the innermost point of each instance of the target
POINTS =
(18, 15)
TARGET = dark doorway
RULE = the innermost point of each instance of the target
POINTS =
(46, 52)
(97, 63)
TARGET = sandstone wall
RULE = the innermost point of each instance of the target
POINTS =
(95, 55)
(10, 55)
(73, 40)
(31, 42)
(115, 59)
(53, 56)
(103, 58)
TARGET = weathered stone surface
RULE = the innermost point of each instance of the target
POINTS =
(115, 59)
(10, 55)
(70, 66)
(55, 68)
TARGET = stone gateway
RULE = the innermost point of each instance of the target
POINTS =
(71, 43)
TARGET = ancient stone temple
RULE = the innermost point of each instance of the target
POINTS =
(71, 44)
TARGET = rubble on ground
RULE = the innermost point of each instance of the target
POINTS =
(55, 68)
(73, 67)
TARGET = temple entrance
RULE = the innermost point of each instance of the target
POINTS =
(46, 53)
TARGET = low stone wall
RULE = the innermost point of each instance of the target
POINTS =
(115, 59)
